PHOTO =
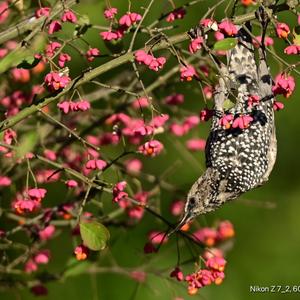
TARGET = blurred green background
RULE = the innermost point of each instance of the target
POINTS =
(267, 244)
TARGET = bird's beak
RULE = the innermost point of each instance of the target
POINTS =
(185, 219)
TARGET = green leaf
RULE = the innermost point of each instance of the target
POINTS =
(225, 44)
(20, 54)
(28, 63)
(75, 267)
(228, 104)
(27, 143)
(94, 235)
(296, 34)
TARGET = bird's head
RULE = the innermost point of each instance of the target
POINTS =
(205, 195)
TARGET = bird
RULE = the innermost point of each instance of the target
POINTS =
(237, 159)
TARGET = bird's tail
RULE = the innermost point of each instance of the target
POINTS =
(241, 61)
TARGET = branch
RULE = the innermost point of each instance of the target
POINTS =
(30, 23)
(88, 76)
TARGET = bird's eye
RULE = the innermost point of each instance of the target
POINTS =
(192, 201)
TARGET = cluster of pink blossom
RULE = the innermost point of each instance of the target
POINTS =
(134, 211)
(70, 106)
(42, 257)
(29, 201)
(214, 257)
(210, 236)
(188, 124)
(176, 14)
(56, 81)
(149, 60)
(124, 23)
(203, 277)
(151, 148)
(118, 191)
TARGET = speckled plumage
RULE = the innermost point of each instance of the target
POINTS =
(237, 160)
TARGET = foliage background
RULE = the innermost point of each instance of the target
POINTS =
(267, 244)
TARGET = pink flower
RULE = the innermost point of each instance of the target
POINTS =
(42, 257)
(177, 273)
(284, 84)
(83, 105)
(174, 99)
(225, 230)
(282, 30)
(198, 280)
(242, 122)
(64, 106)
(43, 11)
(5, 181)
(110, 35)
(206, 235)
(71, 183)
(177, 13)
(216, 263)
(30, 266)
(212, 252)
(209, 23)
(94, 164)
(69, 16)
(278, 105)
(177, 207)
(228, 28)
(157, 63)
(37, 193)
(187, 73)
(129, 19)
(159, 121)
(51, 48)
(191, 121)
(196, 144)
(92, 53)
(144, 130)
(9, 136)
(208, 91)
(50, 154)
(81, 252)
(118, 191)
(3, 52)
(4, 11)
(22, 206)
(133, 165)
(47, 233)
(257, 41)
(178, 130)
(253, 100)
(226, 121)
(20, 75)
(63, 58)
(151, 148)
(292, 49)
(156, 237)
(140, 103)
(110, 13)
(196, 44)
(142, 57)
(219, 36)
(298, 19)
(56, 81)
(54, 27)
